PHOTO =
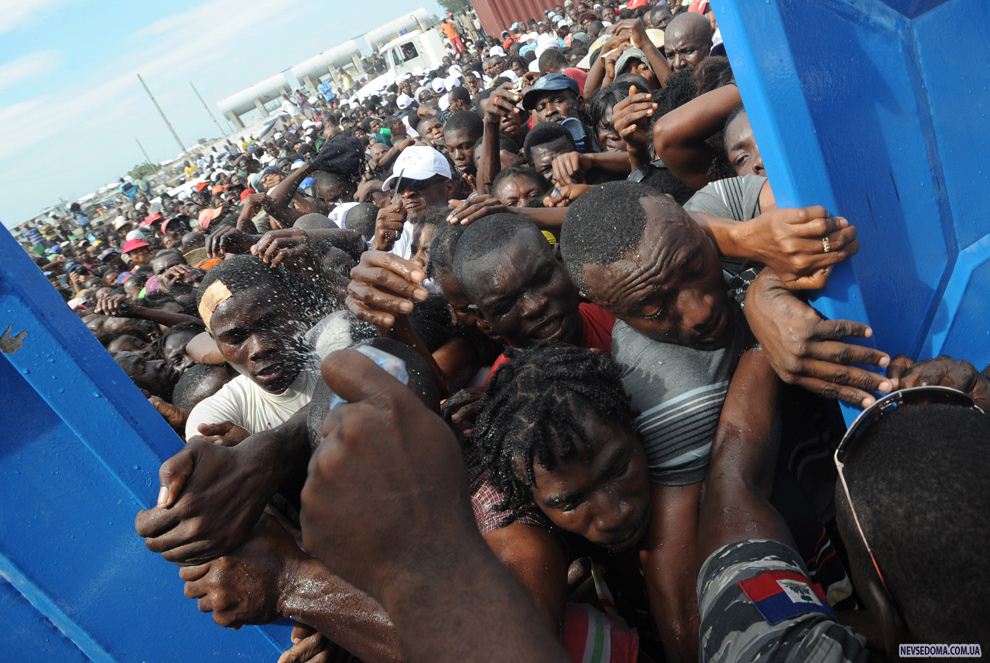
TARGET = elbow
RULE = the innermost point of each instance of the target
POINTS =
(663, 138)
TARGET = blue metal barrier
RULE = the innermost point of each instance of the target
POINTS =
(879, 110)
(80, 454)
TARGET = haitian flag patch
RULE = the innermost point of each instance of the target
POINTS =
(782, 595)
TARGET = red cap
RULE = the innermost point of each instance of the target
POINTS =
(134, 245)
(151, 218)
(208, 216)
(245, 193)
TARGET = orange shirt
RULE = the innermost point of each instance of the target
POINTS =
(448, 30)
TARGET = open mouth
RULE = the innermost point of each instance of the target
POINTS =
(548, 330)
(270, 373)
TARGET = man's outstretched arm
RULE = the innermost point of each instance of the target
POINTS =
(735, 506)
(386, 459)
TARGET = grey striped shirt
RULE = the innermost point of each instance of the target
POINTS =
(679, 392)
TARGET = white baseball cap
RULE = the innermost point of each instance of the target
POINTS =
(496, 51)
(403, 101)
(417, 162)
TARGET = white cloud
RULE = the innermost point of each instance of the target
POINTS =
(28, 66)
(17, 12)
(195, 39)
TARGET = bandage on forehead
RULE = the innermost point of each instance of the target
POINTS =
(215, 295)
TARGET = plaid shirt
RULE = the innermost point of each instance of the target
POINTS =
(486, 500)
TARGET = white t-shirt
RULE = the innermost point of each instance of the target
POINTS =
(252, 408)
(246, 404)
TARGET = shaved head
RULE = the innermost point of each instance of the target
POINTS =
(688, 23)
(687, 40)
(314, 221)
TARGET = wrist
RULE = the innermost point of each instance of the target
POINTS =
(738, 239)
(294, 571)
(769, 284)
(414, 578)
(264, 452)
(638, 154)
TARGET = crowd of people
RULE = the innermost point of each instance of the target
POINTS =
(513, 361)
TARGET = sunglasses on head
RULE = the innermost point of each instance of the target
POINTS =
(870, 416)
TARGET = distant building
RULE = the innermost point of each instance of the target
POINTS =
(342, 65)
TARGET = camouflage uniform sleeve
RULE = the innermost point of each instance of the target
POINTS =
(757, 603)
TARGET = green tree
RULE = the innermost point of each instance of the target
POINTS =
(143, 170)
(455, 6)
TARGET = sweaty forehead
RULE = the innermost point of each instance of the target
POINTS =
(669, 235)
(243, 308)
(668, 230)
(458, 136)
(679, 35)
(738, 129)
(515, 185)
(524, 251)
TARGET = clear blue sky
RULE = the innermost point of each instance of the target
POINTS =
(71, 105)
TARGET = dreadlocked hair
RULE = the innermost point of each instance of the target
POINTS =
(532, 411)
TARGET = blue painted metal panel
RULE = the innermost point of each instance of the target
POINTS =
(30, 637)
(878, 110)
(79, 456)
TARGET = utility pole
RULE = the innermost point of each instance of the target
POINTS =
(162, 113)
(143, 151)
(208, 111)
